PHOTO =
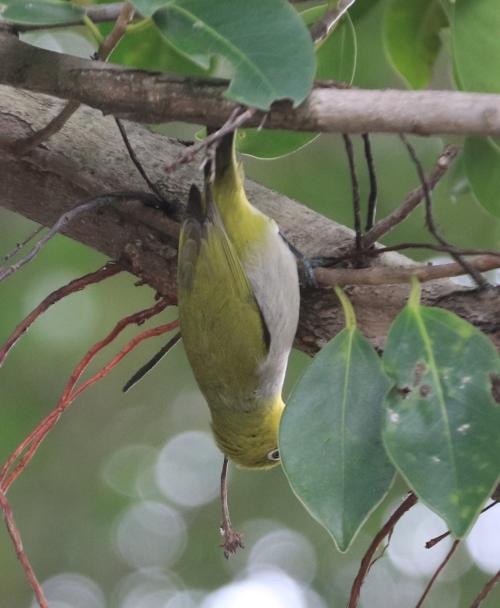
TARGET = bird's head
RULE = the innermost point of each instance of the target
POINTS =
(249, 438)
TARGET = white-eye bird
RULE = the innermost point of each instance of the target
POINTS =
(238, 297)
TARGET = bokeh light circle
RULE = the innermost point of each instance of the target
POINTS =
(188, 469)
(287, 550)
(150, 533)
(72, 590)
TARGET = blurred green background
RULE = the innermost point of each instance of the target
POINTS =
(119, 507)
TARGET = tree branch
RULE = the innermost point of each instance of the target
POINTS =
(151, 97)
(88, 158)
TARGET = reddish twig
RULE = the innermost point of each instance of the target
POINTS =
(386, 529)
(32, 442)
(485, 590)
(434, 541)
(454, 547)
(148, 333)
(108, 270)
(21, 554)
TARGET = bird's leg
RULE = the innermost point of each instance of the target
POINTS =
(232, 539)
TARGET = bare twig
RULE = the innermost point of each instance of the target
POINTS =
(355, 191)
(232, 539)
(237, 118)
(429, 218)
(412, 200)
(427, 589)
(372, 176)
(385, 275)
(20, 552)
(434, 541)
(163, 97)
(23, 146)
(104, 272)
(386, 529)
(486, 590)
(322, 28)
(432, 247)
(116, 34)
(22, 244)
(87, 205)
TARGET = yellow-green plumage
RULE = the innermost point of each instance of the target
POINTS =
(238, 304)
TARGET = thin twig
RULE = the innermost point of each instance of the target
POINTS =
(35, 438)
(20, 552)
(22, 244)
(23, 146)
(235, 120)
(486, 590)
(434, 541)
(108, 270)
(372, 176)
(86, 205)
(429, 219)
(412, 200)
(321, 29)
(173, 210)
(388, 275)
(454, 547)
(364, 566)
(433, 247)
(152, 363)
(116, 34)
(355, 191)
(232, 539)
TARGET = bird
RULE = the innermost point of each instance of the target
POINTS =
(238, 301)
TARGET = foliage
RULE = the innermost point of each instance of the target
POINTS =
(425, 409)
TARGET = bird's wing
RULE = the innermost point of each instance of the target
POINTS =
(222, 326)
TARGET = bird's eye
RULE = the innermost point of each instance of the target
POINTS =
(274, 455)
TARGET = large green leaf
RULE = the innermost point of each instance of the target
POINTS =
(411, 35)
(476, 44)
(266, 44)
(147, 49)
(442, 428)
(330, 435)
(42, 12)
(336, 60)
(482, 166)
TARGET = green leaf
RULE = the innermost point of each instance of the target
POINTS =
(336, 60)
(267, 63)
(42, 12)
(411, 36)
(476, 44)
(482, 166)
(442, 423)
(330, 435)
(148, 50)
(147, 8)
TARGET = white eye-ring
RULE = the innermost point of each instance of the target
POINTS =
(274, 455)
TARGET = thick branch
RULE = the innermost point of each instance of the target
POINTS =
(88, 158)
(151, 97)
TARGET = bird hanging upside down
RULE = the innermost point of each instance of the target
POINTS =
(238, 296)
